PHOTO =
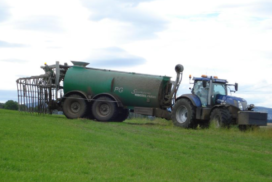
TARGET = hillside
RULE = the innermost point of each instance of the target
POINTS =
(53, 148)
(265, 109)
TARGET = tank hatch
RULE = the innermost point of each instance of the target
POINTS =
(79, 63)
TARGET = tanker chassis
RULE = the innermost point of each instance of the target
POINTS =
(103, 95)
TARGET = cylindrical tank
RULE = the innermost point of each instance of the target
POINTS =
(132, 89)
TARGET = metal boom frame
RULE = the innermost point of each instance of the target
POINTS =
(41, 94)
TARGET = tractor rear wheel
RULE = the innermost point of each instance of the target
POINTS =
(104, 109)
(74, 107)
(183, 114)
(221, 118)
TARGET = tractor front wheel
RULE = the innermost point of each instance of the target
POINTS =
(220, 118)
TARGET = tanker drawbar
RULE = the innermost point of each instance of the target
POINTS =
(103, 95)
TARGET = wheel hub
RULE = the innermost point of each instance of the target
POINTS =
(104, 109)
(181, 114)
(75, 107)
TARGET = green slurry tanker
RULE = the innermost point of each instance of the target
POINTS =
(106, 95)
(100, 94)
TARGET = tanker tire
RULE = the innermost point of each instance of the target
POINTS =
(122, 115)
(183, 114)
(221, 118)
(74, 107)
(104, 109)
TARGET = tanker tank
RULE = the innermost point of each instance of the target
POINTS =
(131, 89)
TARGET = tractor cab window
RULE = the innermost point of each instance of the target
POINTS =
(202, 92)
(219, 88)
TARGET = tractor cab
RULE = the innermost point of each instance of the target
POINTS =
(210, 89)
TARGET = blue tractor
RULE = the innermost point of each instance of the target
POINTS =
(209, 102)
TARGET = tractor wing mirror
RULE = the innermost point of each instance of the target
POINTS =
(236, 86)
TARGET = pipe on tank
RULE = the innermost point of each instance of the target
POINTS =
(179, 70)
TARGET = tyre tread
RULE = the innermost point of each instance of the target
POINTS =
(224, 115)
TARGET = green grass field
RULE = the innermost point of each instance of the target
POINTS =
(53, 148)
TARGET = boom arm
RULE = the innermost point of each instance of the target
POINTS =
(179, 70)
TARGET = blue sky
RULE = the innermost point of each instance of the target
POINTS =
(231, 39)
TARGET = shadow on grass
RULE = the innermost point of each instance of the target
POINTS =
(146, 122)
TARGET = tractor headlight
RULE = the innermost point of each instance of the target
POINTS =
(240, 105)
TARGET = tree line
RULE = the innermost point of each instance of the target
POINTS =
(10, 105)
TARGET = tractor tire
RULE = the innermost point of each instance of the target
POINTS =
(221, 118)
(74, 107)
(183, 114)
(122, 115)
(104, 109)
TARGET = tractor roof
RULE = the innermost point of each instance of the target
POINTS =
(214, 79)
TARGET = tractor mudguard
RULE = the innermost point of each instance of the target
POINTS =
(193, 98)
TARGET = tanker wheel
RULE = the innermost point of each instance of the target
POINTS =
(74, 107)
(104, 109)
(183, 114)
(122, 115)
(220, 118)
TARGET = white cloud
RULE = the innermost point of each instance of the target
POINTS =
(4, 12)
(113, 57)
(139, 23)
(231, 38)
(41, 23)
(7, 44)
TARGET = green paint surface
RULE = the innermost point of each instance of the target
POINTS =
(131, 88)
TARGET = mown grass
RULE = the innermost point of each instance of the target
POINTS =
(53, 148)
